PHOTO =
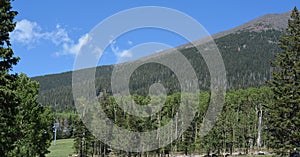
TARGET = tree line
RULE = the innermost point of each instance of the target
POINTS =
(242, 126)
(246, 57)
(253, 118)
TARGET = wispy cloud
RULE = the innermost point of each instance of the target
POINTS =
(122, 55)
(30, 34)
(27, 33)
(70, 47)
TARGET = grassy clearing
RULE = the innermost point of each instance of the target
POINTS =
(63, 148)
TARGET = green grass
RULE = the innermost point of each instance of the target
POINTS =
(63, 148)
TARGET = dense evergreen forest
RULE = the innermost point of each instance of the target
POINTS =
(242, 126)
(246, 56)
(261, 110)
(259, 114)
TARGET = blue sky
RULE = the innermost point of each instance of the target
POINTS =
(49, 33)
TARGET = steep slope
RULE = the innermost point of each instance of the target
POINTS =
(246, 51)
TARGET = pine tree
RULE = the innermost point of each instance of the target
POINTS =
(284, 120)
(24, 124)
(7, 93)
(33, 121)
(6, 26)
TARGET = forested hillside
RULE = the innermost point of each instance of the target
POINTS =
(246, 55)
(252, 119)
(246, 50)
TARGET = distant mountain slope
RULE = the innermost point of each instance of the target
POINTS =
(246, 51)
(277, 22)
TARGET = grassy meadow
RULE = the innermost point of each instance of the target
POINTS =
(63, 148)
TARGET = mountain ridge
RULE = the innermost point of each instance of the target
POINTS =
(272, 21)
(262, 23)
(246, 51)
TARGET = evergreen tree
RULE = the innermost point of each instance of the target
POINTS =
(33, 121)
(7, 93)
(284, 120)
(6, 26)
(24, 124)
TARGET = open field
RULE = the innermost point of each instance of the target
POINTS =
(63, 148)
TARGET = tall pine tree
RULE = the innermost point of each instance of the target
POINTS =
(284, 120)
(7, 93)
(25, 125)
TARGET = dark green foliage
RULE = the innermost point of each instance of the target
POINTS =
(7, 86)
(246, 56)
(67, 121)
(25, 125)
(8, 110)
(33, 132)
(7, 60)
(85, 143)
(237, 129)
(285, 111)
(238, 126)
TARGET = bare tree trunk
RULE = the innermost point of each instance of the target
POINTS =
(259, 128)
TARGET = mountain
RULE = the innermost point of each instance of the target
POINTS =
(246, 51)
(277, 22)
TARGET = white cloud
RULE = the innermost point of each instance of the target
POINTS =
(69, 47)
(30, 34)
(27, 33)
(122, 55)
(58, 36)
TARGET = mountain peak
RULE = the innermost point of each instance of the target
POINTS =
(263, 23)
(267, 22)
